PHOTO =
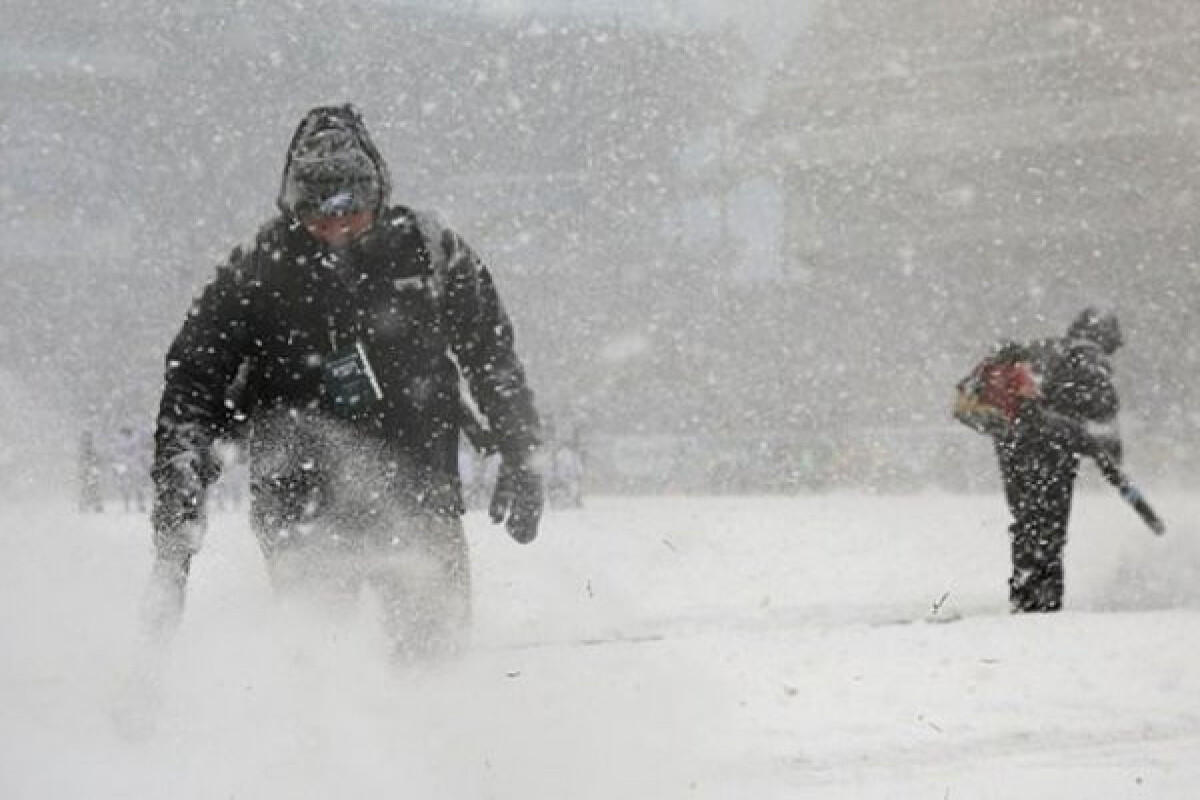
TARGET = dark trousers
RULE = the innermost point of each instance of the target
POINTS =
(418, 569)
(1039, 481)
(333, 516)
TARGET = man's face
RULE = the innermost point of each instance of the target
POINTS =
(340, 230)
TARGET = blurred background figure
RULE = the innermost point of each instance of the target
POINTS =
(566, 475)
(130, 464)
(88, 475)
(472, 472)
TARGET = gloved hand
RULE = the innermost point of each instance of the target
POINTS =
(1103, 440)
(178, 515)
(1107, 446)
(519, 498)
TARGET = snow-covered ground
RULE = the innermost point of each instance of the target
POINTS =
(749, 647)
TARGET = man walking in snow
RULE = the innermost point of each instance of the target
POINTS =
(338, 343)
(1048, 402)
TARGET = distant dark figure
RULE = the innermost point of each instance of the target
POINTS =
(1045, 404)
(131, 467)
(565, 483)
(472, 473)
(88, 475)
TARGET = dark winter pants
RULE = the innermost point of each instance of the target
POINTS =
(417, 568)
(1039, 480)
(333, 516)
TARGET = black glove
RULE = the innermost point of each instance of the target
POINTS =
(518, 498)
(1104, 446)
(1101, 441)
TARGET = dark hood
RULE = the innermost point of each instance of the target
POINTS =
(331, 152)
(1099, 326)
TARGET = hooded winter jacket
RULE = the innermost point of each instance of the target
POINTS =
(408, 306)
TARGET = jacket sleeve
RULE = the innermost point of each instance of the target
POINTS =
(201, 364)
(1082, 404)
(482, 340)
(1086, 389)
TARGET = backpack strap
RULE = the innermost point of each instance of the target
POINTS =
(439, 244)
(445, 249)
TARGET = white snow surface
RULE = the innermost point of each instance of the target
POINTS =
(751, 647)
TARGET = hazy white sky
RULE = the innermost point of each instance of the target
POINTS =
(767, 24)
